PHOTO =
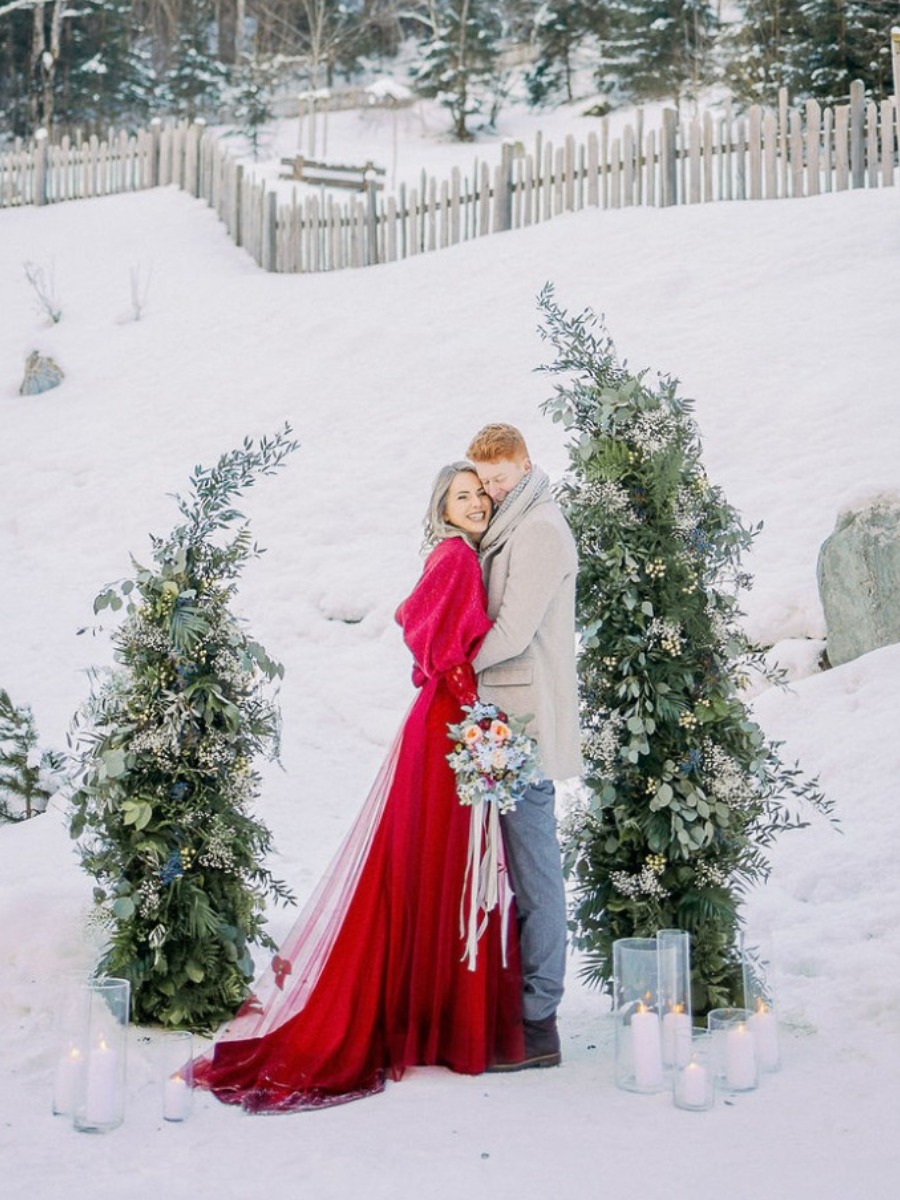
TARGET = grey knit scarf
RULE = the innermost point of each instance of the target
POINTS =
(530, 490)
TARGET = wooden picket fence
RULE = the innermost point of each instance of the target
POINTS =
(80, 168)
(762, 154)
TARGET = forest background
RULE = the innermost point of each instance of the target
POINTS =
(92, 62)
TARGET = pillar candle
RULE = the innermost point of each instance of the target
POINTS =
(693, 1084)
(765, 1031)
(101, 1105)
(65, 1087)
(176, 1098)
(740, 1058)
(676, 1038)
(646, 1049)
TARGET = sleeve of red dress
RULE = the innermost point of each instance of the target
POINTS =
(445, 618)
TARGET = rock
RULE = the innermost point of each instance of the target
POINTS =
(859, 579)
(41, 374)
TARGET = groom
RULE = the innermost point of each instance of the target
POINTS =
(526, 666)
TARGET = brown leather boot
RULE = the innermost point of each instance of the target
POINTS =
(541, 1047)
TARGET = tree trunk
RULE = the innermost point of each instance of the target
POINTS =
(226, 30)
(43, 63)
(38, 48)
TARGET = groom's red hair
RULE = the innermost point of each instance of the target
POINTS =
(494, 443)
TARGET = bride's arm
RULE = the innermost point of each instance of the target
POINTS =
(444, 619)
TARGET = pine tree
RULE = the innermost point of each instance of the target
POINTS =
(661, 48)
(685, 791)
(460, 62)
(560, 28)
(253, 83)
(164, 755)
(195, 79)
(814, 48)
(28, 778)
(754, 49)
(836, 42)
(106, 74)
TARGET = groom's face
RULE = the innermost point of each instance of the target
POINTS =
(499, 478)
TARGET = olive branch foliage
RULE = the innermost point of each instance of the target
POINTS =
(684, 794)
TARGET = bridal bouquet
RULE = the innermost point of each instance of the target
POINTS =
(492, 763)
(494, 767)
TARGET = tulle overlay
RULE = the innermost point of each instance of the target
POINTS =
(373, 978)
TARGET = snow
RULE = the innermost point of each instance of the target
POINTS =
(779, 318)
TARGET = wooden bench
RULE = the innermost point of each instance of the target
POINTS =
(305, 170)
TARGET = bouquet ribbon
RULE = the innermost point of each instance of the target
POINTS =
(486, 884)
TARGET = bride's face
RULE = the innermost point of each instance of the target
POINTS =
(468, 505)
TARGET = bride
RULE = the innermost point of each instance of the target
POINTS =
(374, 978)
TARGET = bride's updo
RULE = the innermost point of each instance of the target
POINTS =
(436, 525)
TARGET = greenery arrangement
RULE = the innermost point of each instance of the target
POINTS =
(164, 752)
(685, 791)
(28, 776)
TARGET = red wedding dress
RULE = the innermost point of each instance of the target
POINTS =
(372, 978)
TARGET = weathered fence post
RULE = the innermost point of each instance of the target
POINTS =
(270, 246)
(155, 129)
(783, 142)
(628, 166)
(813, 133)
(40, 167)
(593, 169)
(568, 173)
(754, 151)
(895, 64)
(456, 203)
(770, 154)
(708, 151)
(238, 201)
(504, 200)
(795, 140)
(195, 184)
(604, 161)
(828, 151)
(857, 141)
(872, 143)
(841, 148)
(694, 161)
(371, 215)
(668, 159)
(403, 219)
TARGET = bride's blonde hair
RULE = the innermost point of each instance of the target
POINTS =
(435, 523)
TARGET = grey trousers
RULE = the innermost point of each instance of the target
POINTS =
(535, 868)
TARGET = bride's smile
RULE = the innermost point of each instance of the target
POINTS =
(468, 505)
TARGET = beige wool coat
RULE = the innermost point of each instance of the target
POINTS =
(526, 664)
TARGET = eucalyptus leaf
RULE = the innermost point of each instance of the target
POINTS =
(123, 909)
(113, 762)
